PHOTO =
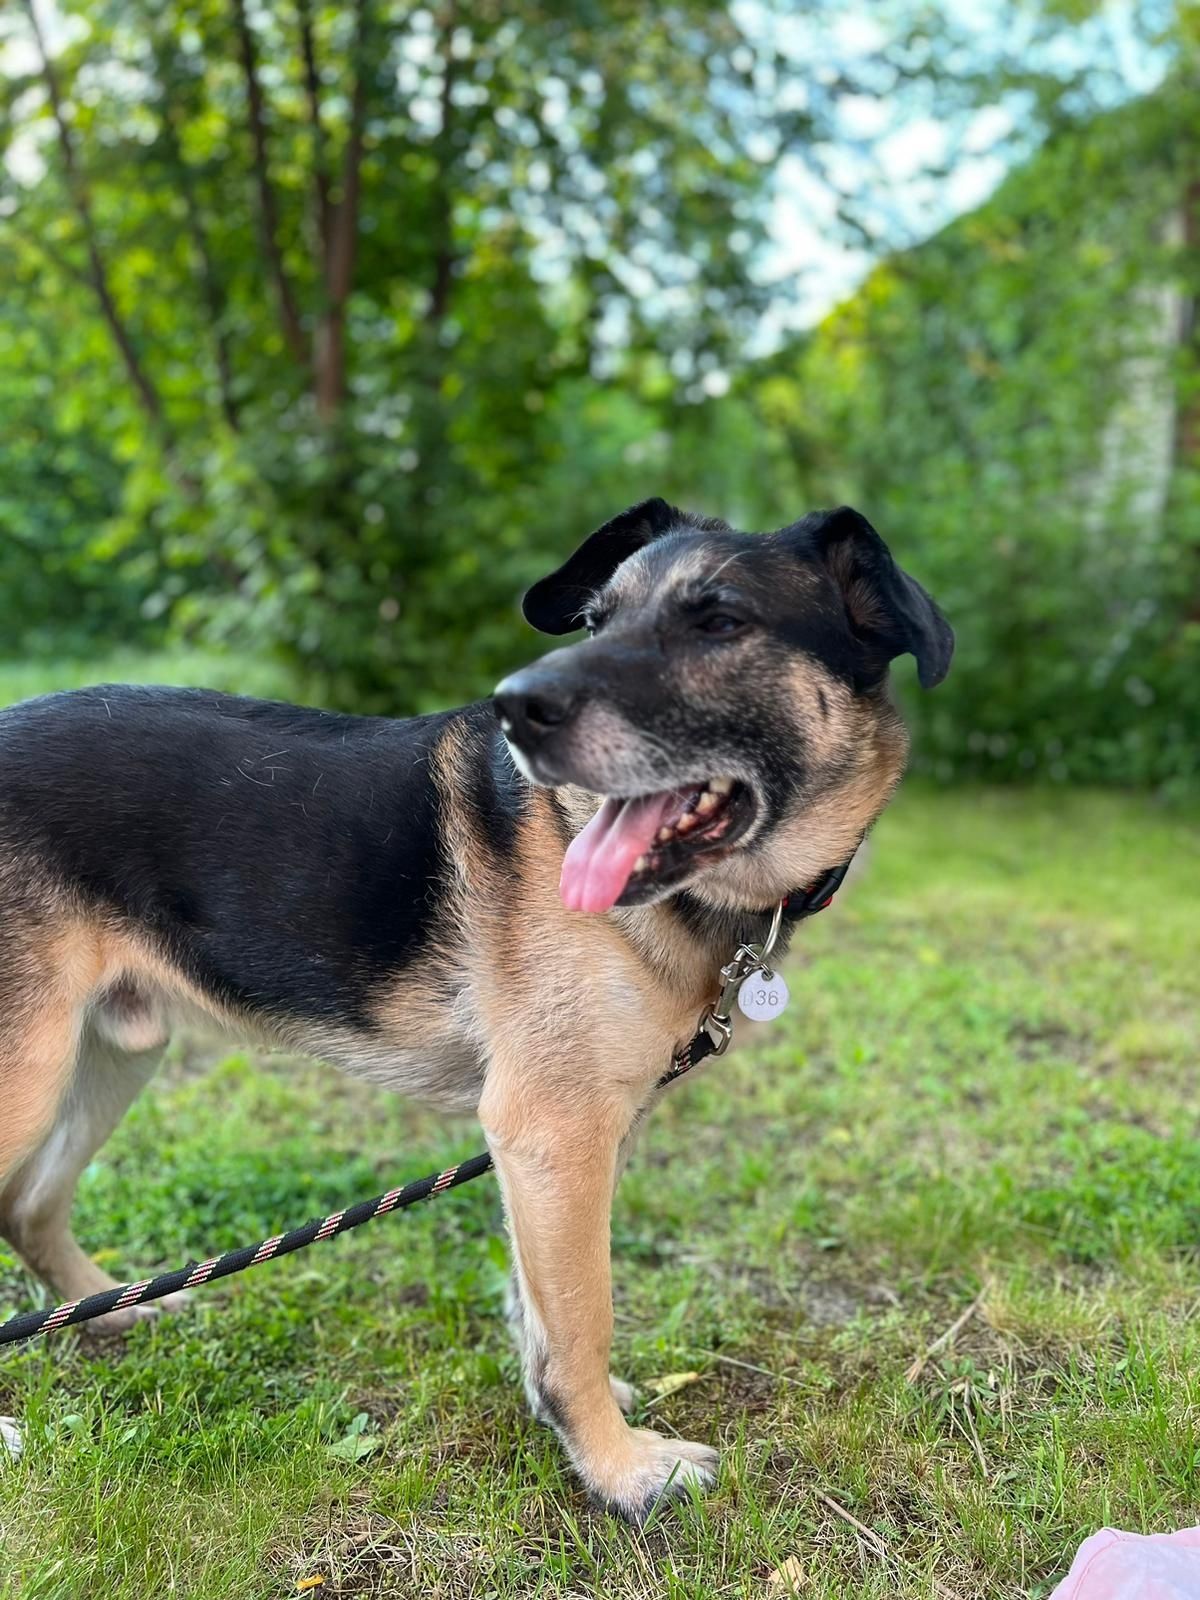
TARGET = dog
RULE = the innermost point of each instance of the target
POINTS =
(385, 894)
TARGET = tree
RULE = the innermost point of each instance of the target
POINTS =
(323, 283)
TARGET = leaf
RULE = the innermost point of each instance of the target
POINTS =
(356, 1442)
(787, 1579)
(354, 1446)
(671, 1383)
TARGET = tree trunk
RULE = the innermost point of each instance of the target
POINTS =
(312, 87)
(1187, 418)
(143, 385)
(212, 287)
(341, 240)
(289, 316)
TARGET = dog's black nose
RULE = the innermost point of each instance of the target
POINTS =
(529, 705)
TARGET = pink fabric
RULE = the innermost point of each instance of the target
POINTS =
(1131, 1566)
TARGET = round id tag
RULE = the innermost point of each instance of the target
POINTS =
(762, 997)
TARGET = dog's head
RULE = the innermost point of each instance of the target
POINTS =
(730, 706)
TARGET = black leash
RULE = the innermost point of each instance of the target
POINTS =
(30, 1323)
(711, 1039)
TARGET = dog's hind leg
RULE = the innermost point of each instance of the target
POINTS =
(35, 1201)
(39, 1040)
(38, 1045)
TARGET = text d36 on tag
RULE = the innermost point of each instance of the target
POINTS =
(760, 998)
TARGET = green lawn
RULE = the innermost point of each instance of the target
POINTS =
(983, 1096)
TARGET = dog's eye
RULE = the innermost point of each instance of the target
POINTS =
(720, 624)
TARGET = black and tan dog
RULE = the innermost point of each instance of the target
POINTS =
(386, 894)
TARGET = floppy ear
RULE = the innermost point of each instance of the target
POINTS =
(554, 603)
(889, 611)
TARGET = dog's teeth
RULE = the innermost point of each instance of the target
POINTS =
(687, 822)
(721, 785)
(665, 833)
(708, 802)
(640, 864)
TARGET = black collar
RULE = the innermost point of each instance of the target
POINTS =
(797, 905)
(716, 1022)
(801, 903)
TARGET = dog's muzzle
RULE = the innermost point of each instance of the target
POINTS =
(532, 705)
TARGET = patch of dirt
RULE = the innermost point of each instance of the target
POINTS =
(740, 1393)
(824, 1299)
(367, 1556)
(832, 1302)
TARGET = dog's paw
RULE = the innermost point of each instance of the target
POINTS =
(655, 1472)
(117, 1322)
(11, 1441)
(624, 1394)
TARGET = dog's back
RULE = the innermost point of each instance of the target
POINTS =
(216, 826)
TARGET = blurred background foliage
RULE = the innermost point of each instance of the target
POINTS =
(325, 328)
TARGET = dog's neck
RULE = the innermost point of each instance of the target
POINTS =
(714, 929)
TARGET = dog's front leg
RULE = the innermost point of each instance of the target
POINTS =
(557, 1163)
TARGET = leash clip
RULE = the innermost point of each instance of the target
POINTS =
(717, 1021)
(719, 1030)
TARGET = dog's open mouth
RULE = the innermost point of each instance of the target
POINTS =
(632, 849)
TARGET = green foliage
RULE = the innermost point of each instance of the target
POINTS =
(1001, 401)
(314, 314)
(327, 328)
(183, 667)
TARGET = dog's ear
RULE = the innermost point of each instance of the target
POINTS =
(554, 603)
(889, 612)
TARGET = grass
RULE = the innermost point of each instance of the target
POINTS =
(182, 665)
(982, 1100)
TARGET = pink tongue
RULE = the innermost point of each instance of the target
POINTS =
(596, 868)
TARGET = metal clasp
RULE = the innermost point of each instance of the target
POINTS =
(717, 1020)
(718, 1029)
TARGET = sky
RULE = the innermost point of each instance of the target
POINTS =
(924, 169)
